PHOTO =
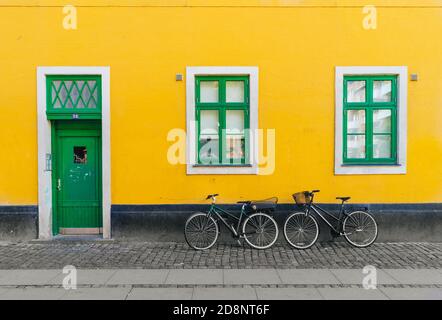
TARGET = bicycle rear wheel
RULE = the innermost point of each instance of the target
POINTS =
(260, 231)
(300, 230)
(201, 231)
(360, 229)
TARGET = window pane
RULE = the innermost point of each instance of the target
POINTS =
(381, 146)
(209, 122)
(209, 91)
(235, 146)
(382, 91)
(209, 149)
(356, 147)
(382, 121)
(356, 121)
(235, 134)
(80, 155)
(208, 139)
(78, 94)
(235, 121)
(356, 91)
(234, 91)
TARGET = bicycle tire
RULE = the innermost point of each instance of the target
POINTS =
(192, 239)
(251, 223)
(311, 221)
(346, 228)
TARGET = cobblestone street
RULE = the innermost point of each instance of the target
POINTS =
(148, 255)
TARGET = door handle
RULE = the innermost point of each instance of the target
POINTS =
(59, 184)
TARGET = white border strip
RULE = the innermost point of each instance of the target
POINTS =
(401, 167)
(44, 147)
(191, 72)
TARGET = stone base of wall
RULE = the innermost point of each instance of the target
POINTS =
(18, 223)
(397, 222)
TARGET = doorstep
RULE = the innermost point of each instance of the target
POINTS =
(74, 238)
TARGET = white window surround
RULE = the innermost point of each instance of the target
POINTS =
(44, 146)
(191, 73)
(401, 166)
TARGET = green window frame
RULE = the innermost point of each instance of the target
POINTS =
(73, 97)
(374, 137)
(225, 145)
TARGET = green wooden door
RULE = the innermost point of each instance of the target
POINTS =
(78, 181)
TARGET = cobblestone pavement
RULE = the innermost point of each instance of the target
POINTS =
(148, 255)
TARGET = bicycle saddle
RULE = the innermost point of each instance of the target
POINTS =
(267, 204)
(212, 195)
(343, 198)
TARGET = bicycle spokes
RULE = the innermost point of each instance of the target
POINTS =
(260, 230)
(301, 230)
(360, 229)
(201, 231)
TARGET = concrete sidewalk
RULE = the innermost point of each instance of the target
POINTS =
(235, 284)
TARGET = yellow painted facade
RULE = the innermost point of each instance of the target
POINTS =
(295, 44)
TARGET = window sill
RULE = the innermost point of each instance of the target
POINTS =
(367, 169)
(222, 165)
(222, 169)
(371, 164)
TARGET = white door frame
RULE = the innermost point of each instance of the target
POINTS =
(45, 143)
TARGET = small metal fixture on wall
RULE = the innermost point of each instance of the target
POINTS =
(48, 162)
(414, 77)
(179, 77)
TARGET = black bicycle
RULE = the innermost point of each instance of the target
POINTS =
(254, 224)
(301, 229)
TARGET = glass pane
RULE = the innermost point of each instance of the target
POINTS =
(356, 147)
(209, 91)
(356, 121)
(74, 93)
(235, 146)
(381, 146)
(80, 104)
(234, 121)
(69, 104)
(209, 122)
(209, 141)
(356, 91)
(80, 155)
(209, 149)
(234, 91)
(63, 94)
(382, 121)
(382, 91)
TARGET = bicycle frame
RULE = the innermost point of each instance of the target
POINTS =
(319, 211)
(218, 212)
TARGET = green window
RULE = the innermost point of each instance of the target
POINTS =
(370, 113)
(222, 114)
(73, 97)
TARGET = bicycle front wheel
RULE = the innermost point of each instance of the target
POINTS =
(201, 231)
(300, 230)
(360, 229)
(260, 231)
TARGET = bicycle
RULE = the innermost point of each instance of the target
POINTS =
(301, 229)
(259, 229)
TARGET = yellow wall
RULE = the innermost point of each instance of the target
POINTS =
(296, 45)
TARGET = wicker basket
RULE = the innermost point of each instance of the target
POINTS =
(302, 198)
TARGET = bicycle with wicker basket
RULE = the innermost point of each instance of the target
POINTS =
(254, 224)
(301, 229)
